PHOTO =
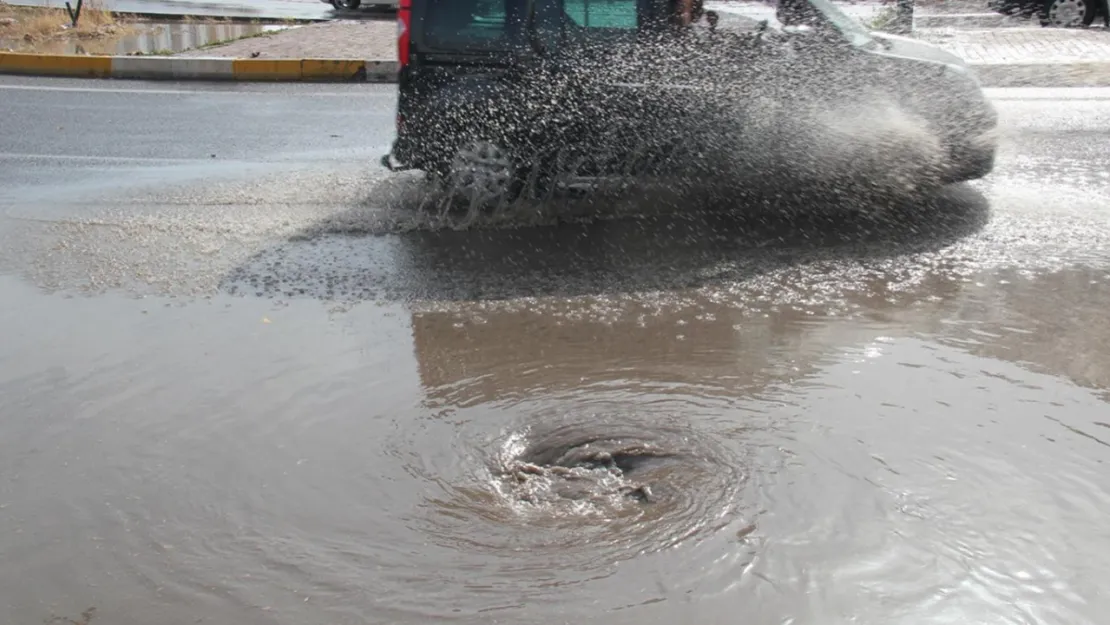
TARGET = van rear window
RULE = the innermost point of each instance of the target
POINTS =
(602, 13)
(458, 24)
(485, 24)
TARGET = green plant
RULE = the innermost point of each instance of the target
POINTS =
(885, 19)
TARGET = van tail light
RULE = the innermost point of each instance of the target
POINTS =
(404, 26)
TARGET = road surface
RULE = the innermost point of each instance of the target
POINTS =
(246, 379)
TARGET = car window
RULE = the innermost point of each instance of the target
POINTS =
(461, 24)
(496, 24)
(621, 14)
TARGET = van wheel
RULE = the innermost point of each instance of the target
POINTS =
(1067, 13)
(482, 171)
(346, 5)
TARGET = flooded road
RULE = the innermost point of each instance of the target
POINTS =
(263, 387)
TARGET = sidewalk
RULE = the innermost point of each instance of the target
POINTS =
(927, 13)
(1000, 46)
(1030, 57)
(341, 39)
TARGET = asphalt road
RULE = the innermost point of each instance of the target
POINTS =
(209, 131)
(247, 376)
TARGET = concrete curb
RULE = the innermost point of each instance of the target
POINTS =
(1082, 74)
(1085, 74)
(199, 68)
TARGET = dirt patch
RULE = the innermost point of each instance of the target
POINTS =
(361, 40)
(25, 29)
(49, 31)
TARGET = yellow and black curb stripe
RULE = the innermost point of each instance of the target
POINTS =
(198, 68)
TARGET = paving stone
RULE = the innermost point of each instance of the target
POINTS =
(1023, 45)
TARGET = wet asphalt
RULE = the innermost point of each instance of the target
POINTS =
(246, 378)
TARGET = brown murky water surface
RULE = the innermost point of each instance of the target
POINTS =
(298, 412)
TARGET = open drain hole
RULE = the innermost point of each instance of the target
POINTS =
(595, 488)
(611, 471)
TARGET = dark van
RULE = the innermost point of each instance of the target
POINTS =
(491, 90)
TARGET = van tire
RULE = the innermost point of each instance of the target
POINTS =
(346, 5)
(1048, 13)
(482, 166)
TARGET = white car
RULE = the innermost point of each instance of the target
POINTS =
(351, 5)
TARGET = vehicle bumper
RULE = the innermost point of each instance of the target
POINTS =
(973, 156)
(402, 156)
(985, 141)
(391, 163)
(968, 125)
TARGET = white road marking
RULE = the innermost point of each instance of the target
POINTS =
(115, 159)
(369, 93)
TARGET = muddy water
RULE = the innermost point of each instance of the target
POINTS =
(807, 445)
(237, 405)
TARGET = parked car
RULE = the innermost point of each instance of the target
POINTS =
(490, 90)
(1057, 13)
(351, 5)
